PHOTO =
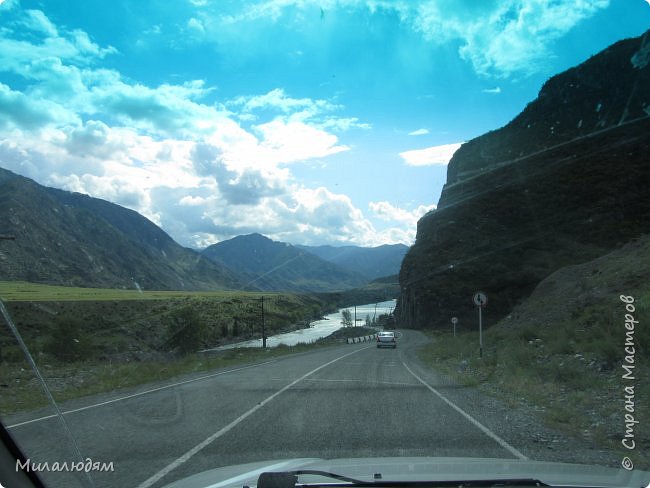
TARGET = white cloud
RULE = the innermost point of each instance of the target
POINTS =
(37, 21)
(385, 211)
(497, 38)
(419, 132)
(18, 54)
(18, 110)
(339, 124)
(495, 90)
(196, 25)
(504, 38)
(289, 141)
(430, 155)
(278, 99)
(404, 221)
(167, 152)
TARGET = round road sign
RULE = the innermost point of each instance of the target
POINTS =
(480, 299)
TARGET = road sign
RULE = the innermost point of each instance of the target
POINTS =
(480, 299)
(454, 320)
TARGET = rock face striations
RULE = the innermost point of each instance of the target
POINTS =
(564, 182)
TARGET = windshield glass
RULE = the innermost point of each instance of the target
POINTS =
(212, 210)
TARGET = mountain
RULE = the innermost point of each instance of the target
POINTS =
(565, 182)
(371, 262)
(277, 266)
(73, 239)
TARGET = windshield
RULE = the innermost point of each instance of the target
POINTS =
(402, 238)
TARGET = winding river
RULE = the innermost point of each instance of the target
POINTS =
(320, 328)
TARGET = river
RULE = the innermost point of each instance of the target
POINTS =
(320, 328)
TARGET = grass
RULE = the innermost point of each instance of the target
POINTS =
(23, 392)
(14, 291)
(120, 324)
(569, 371)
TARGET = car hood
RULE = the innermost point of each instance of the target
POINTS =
(422, 469)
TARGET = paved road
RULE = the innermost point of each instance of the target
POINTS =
(345, 401)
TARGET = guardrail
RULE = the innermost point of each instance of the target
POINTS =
(368, 338)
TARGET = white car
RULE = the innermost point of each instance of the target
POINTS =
(386, 339)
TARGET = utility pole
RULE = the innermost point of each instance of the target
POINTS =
(263, 330)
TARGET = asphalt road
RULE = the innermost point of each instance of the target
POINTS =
(351, 400)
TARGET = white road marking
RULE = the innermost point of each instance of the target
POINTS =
(126, 397)
(365, 381)
(475, 422)
(209, 440)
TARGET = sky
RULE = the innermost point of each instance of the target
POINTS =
(311, 122)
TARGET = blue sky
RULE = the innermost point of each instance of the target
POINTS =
(312, 122)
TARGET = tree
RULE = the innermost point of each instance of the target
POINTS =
(186, 330)
(347, 318)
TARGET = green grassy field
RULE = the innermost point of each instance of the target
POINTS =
(13, 291)
(126, 336)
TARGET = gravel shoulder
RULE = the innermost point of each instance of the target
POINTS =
(516, 420)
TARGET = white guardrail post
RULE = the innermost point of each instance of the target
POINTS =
(354, 340)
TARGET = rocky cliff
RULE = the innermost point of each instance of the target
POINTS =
(566, 181)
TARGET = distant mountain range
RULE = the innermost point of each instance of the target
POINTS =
(271, 265)
(565, 182)
(370, 262)
(72, 239)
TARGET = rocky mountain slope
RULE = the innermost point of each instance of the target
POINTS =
(72, 239)
(278, 266)
(564, 182)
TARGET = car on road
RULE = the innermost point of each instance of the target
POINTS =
(386, 339)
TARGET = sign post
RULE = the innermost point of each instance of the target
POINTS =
(263, 329)
(480, 300)
(454, 320)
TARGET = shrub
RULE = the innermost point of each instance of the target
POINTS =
(186, 330)
(68, 342)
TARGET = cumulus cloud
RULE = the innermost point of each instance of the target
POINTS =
(164, 109)
(404, 221)
(171, 151)
(17, 53)
(36, 20)
(17, 110)
(298, 214)
(497, 38)
(278, 99)
(385, 211)
(292, 141)
(430, 155)
(504, 38)
(317, 112)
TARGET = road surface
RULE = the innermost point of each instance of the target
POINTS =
(352, 400)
